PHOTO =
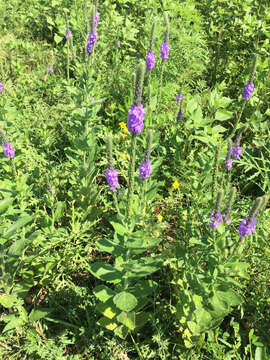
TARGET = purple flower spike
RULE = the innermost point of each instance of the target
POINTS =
(95, 20)
(117, 44)
(150, 60)
(179, 98)
(145, 169)
(135, 119)
(215, 219)
(68, 33)
(112, 178)
(229, 164)
(164, 49)
(1, 87)
(236, 151)
(92, 39)
(248, 90)
(179, 116)
(247, 228)
(8, 150)
(50, 69)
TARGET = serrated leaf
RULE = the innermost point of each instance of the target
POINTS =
(125, 301)
(103, 293)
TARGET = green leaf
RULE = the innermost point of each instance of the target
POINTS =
(125, 301)
(127, 319)
(60, 207)
(17, 225)
(15, 321)
(141, 319)
(103, 292)
(37, 314)
(8, 300)
(230, 297)
(222, 115)
(58, 38)
(119, 228)
(143, 266)
(5, 203)
(110, 247)
(106, 272)
(108, 309)
(107, 323)
(121, 331)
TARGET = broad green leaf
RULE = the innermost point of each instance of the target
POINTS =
(119, 228)
(8, 300)
(110, 247)
(127, 319)
(125, 301)
(194, 328)
(223, 115)
(103, 292)
(121, 331)
(230, 297)
(60, 207)
(108, 309)
(143, 288)
(17, 225)
(37, 314)
(106, 272)
(141, 319)
(5, 203)
(143, 266)
(58, 38)
(260, 353)
(17, 247)
(141, 241)
(107, 323)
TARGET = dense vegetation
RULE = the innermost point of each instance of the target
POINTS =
(167, 256)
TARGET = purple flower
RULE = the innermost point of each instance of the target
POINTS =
(215, 219)
(236, 151)
(179, 98)
(92, 39)
(164, 49)
(247, 227)
(229, 164)
(145, 169)
(8, 149)
(179, 116)
(95, 20)
(150, 60)
(68, 33)
(1, 87)
(50, 69)
(112, 178)
(248, 90)
(135, 118)
(117, 44)
(228, 221)
(52, 191)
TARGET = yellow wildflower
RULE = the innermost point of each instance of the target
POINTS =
(159, 217)
(123, 127)
(175, 185)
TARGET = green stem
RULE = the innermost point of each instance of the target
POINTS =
(116, 202)
(160, 84)
(237, 120)
(149, 117)
(68, 59)
(131, 173)
(137, 348)
(14, 172)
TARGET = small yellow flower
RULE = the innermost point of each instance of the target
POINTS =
(123, 135)
(123, 126)
(143, 211)
(175, 185)
(159, 217)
